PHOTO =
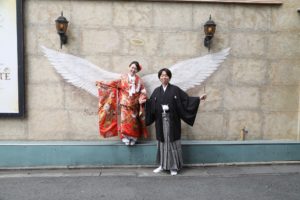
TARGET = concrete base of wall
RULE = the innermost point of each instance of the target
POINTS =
(15, 154)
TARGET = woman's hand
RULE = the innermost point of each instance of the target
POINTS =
(98, 84)
(203, 97)
(141, 101)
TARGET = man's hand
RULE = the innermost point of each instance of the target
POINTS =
(203, 97)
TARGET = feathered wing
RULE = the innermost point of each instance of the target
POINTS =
(190, 73)
(77, 71)
(151, 82)
(83, 74)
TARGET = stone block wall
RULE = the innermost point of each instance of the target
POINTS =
(257, 87)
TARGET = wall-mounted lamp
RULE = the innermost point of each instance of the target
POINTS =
(61, 27)
(209, 30)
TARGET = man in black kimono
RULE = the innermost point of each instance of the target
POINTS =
(167, 105)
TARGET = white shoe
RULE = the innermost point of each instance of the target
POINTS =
(159, 169)
(132, 142)
(173, 172)
(126, 141)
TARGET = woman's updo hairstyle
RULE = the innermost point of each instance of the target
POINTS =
(137, 64)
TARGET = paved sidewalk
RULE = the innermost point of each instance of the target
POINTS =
(202, 171)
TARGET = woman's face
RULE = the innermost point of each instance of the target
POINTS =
(164, 78)
(132, 69)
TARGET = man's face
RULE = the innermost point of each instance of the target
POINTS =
(164, 78)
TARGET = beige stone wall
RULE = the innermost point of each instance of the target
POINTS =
(257, 87)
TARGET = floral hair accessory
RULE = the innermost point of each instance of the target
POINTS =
(140, 67)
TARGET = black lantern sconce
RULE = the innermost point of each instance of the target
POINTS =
(61, 27)
(209, 30)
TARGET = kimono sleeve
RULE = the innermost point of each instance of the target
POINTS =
(187, 107)
(108, 84)
(107, 108)
(150, 110)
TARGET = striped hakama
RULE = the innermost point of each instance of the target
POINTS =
(169, 154)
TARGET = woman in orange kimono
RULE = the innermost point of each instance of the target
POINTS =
(129, 94)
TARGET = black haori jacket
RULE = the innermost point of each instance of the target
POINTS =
(181, 106)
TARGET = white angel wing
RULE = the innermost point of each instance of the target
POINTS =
(189, 73)
(77, 71)
(151, 82)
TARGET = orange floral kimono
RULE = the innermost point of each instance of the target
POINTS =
(124, 94)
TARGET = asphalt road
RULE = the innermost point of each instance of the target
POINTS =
(223, 184)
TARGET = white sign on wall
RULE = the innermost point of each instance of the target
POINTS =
(11, 58)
